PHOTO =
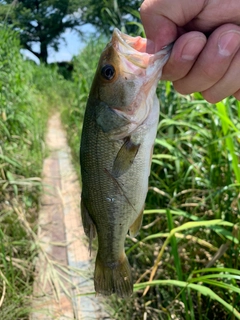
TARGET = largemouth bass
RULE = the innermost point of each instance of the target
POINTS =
(118, 134)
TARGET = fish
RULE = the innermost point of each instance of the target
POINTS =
(119, 129)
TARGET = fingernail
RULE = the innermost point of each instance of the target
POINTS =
(192, 48)
(228, 42)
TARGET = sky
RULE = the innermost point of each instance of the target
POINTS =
(67, 49)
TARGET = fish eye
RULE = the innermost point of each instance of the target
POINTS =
(108, 72)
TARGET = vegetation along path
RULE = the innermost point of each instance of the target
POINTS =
(63, 266)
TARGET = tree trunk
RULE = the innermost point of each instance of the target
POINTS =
(43, 52)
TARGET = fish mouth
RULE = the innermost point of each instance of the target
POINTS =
(135, 50)
(142, 68)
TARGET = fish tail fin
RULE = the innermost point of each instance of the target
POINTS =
(113, 278)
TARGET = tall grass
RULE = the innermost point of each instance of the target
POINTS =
(27, 96)
(186, 258)
(22, 120)
(193, 179)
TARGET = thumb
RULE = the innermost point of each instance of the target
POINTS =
(162, 19)
(159, 30)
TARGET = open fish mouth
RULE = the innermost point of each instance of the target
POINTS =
(140, 67)
(135, 50)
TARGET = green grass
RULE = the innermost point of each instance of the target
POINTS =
(28, 95)
(186, 258)
(23, 115)
(193, 178)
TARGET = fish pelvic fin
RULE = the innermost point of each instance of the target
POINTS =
(125, 157)
(113, 278)
(88, 225)
(135, 227)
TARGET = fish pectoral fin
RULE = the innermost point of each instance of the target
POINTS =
(88, 225)
(113, 278)
(135, 227)
(125, 157)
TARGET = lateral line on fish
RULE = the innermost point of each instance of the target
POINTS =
(120, 188)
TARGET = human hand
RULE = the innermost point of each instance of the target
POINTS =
(197, 63)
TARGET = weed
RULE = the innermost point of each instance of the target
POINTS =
(24, 109)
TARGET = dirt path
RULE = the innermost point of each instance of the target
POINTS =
(63, 268)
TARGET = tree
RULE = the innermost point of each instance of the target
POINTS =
(105, 15)
(42, 21)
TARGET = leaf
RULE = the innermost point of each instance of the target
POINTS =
(185, 226)
(226, 125)
(228, 235)
(217, 275)
(229, 270)
(174, 212)
(197, 287)
(164, 156)
(10, 161)
(222, 285)
(165, 144)
(11, 180)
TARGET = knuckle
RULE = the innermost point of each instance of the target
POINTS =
(237, 95)
(211, 97)
(211, 72)
(182, 88)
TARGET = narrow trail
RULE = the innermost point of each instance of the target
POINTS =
(63, 268)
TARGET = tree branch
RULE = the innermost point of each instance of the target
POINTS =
(37, 54)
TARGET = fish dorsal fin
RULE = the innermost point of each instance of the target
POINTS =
(135, 227)
(125, 157)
